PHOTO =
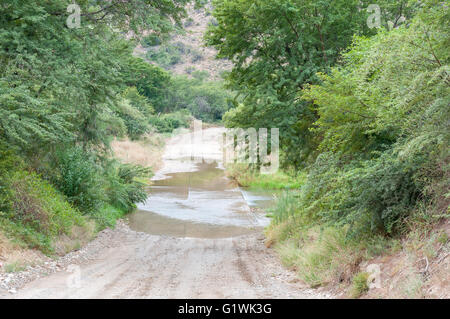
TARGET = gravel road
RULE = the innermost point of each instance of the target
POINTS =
(123, 263)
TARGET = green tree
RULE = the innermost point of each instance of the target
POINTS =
(278, 47)
(60, 85)
(383, 122)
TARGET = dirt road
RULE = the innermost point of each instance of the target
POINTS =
(124, 263)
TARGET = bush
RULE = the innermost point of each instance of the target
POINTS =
(189, 22)
(39, 213)
(134, 110)
(77, 175)
(151, 40)
(107, 216)
(167, 123)
(189, 70)
(91, 186)
(9, 162)
(359, 286)
(200, 75)
(196, 57)
(124, 184)
(167, 55)
(370, 196)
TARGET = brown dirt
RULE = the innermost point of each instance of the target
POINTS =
(13, 254)
(136, 265)
(416, 271)
(122, 263)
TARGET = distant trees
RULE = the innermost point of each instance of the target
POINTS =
(205, 100)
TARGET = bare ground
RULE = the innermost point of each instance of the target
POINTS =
(127, 264)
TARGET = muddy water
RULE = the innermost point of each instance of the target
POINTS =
(201, 203)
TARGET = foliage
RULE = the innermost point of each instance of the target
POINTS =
(60, 84)
(205, 100)
(381, 129)
(65, 93)
(169, 54)
(167, 123)
(166, 55)
(150, 81)
(38, 213)
(90, 184)
(359, 284)
(107, 216)
(9, 162)
(77, 175)
(151, 40)
(277, 47)
(379, 135)
(248, 177)
(123, 185)
(134, 111)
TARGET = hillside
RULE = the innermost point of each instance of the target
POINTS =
(189, 47)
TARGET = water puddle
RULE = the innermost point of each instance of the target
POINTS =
(263, 199)
(201, 203)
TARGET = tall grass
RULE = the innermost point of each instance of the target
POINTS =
(320, 253)
(249, 177)
(39, 213)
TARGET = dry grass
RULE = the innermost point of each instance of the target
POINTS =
(322, 257)
(147, 152)
(14, 257)
(417, 268)
(79, 237)
(421, 269)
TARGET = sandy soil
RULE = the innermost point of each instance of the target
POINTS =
(122, 263)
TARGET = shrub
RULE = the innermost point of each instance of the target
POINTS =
(39, 213)
(133, 110)
(107, 216)
(125, 185)
(9, 163)
(151, 40)
(77, 175)
(200, 75)
(189, 22)
(359, 285)
(371, 196)
(167, 55)
(205, 100)
(196, 57)
(189, 69)
(167, 123)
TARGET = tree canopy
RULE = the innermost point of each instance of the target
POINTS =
(278, 47)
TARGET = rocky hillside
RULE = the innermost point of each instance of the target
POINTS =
(185, 52)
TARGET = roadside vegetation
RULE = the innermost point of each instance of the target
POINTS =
(67, 94)
(364, 123)
(83, 120)
(191, 93)
(247, 176)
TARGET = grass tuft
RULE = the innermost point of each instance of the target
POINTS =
(359, 285)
